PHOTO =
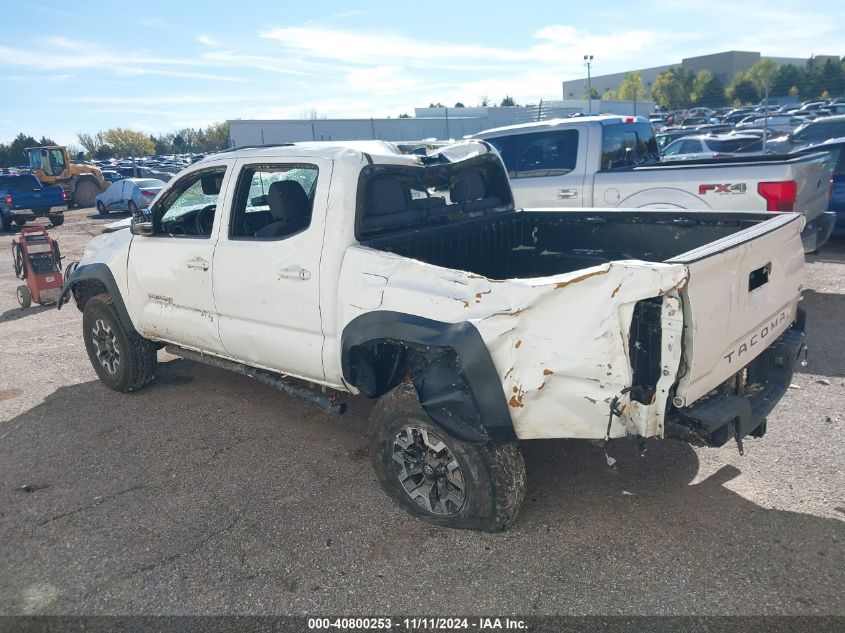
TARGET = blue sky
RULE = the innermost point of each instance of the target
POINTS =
(157, 66)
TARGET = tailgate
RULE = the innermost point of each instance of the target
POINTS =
(812, 176)
(741, 295)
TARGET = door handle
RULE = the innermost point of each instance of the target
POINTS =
(197, 263)
(295, 272)
(564, 194)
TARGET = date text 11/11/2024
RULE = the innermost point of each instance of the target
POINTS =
(420, 623)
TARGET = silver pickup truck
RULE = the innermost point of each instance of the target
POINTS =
(327, 270)
(613, 161)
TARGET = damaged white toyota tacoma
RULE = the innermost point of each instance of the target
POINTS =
(408, 275)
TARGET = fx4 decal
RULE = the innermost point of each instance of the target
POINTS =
(736, 188)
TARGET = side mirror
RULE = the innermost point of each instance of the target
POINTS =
(144, 229)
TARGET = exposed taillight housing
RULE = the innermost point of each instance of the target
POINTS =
(148, 194)
(64, 195)
(780, 196)
(9, 201)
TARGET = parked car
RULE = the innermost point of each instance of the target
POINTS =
(414, 279)
(136, 171)
(129, 194)
(23, 197)
(810, 133)
(612, 161)
(777, 124)
(836, 149)
(110, 175)
(712, 146)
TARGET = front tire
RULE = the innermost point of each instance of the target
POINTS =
(101, 208)
(440, 478)
(123, 359)
(24, 296)
(133, 209)
(85, 193)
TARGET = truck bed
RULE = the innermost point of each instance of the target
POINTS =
(526, 244)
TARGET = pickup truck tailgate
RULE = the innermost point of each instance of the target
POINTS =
(741, 295)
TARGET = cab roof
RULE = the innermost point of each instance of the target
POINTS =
(404, 153)
(601, 119)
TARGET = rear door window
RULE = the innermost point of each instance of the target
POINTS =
(551, 153)
(628, 144)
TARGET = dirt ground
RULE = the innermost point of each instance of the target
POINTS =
(208, 493)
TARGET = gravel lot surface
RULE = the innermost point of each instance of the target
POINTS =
(208, 493)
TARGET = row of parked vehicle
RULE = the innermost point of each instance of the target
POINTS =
(704, 133)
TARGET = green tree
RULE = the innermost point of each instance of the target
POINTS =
(126, 142)
(215, 137)
(508, 101)
(404, 115)
(610, 95)
(93, 144)
(593, 94)
(673, 87)
(787, 76)
(702, 77)
(459, 105)
(831, 78)
(16, 152)
(763, 72)
(743, 90)
(631, 88)
(712, 94)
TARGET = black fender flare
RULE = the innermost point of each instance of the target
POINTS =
(464, 397)
(97, 272)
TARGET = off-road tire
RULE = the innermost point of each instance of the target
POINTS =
(57, 219)
(137, 356)
(85, 193)
(24, 296)
(101, 208)
(493, 473)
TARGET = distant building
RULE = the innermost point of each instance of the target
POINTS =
(724, 66)
(427, 123)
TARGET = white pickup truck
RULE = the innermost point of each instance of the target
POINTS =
(326, 270)
(614, 161)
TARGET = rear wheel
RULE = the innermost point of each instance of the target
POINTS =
(101, 208)
(4, 223)
(438, 477)
(20, 221)
(57, 219)
(123, 359)
(24, 296)
(85, 193)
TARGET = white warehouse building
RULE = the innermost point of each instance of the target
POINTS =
(427, 123)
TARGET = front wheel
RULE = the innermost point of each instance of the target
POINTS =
(24, 296)
(123, 359)
(85, 193)
(440, 478)
(101, 208)
(133, 209)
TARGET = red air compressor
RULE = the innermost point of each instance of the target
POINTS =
(37, 259)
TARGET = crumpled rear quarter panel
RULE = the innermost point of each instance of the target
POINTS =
(559, 344)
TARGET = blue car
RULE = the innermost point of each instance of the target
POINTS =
(837, 190)
(130, 194)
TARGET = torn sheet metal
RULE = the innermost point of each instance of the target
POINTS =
(559, 343)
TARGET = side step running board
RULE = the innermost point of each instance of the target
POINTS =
(278, 381)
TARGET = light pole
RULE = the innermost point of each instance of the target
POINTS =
(588, 60)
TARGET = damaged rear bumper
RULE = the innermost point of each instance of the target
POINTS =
(717, 418)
